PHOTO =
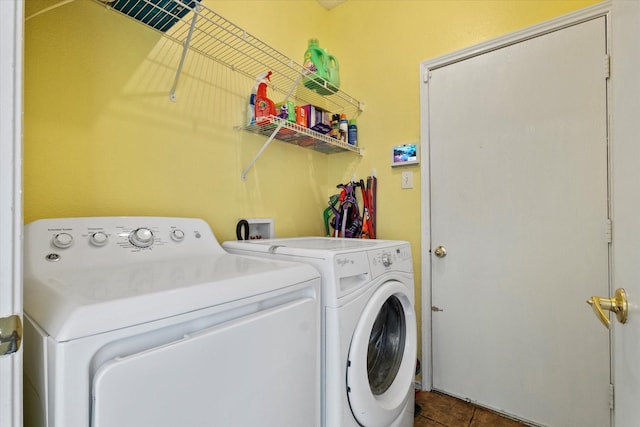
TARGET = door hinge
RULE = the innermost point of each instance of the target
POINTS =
(426, 73)
(10, 334)
(607, 66)
(611, 396)
(609, 231)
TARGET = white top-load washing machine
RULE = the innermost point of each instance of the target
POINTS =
(147, 321)
(369, 325)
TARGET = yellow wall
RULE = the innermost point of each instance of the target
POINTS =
(101, 137)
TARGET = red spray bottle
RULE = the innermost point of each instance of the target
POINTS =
(264, 107)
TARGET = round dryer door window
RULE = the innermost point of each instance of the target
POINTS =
(382, 357)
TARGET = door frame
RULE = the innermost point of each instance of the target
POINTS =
(586, 14)
(625, 189)
(11, 68)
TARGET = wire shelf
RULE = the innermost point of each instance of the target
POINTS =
(201, 30)
(293, 133)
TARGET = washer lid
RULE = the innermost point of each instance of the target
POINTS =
(80, 303)
(311, 246)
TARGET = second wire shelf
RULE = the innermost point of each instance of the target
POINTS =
(293, 133)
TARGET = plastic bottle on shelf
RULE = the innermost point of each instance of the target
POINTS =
(344, 127)
(251, 107)
(332, 68)
(335, 122)
(315, 60)
(353, 133)
(264, 107)
(333, 72)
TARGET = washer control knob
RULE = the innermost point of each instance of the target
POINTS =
(62, 240)
(141, 237)
(98, 239)
(177, 235)
(386, 259)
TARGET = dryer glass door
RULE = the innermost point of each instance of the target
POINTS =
(382, 357)
(386, 345)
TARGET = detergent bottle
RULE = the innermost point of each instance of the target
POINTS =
(315, 60)
(264, 107)
(333, 77)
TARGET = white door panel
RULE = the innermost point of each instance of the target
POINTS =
(519, 198)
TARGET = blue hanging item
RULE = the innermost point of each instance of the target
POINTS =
(159, 14)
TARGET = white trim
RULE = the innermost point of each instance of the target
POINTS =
(11, 60)
(425, 234)
(555, 24)
(574, 18)
(625, 160)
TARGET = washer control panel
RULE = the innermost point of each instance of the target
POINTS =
(96, 241)
(393, 258)
(354, 269)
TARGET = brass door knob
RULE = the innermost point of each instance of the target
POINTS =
(440, 252)
(618, 305)
(10, 334)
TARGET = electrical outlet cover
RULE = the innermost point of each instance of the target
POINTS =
(261, 228)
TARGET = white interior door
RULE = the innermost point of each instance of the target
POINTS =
(11, 19)
(519, 198)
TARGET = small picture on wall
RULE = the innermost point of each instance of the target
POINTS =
(406, 154)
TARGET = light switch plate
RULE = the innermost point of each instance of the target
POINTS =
(407, 179)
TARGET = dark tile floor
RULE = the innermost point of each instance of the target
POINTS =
(440, 410)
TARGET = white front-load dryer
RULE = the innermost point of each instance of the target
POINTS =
(146, 321)
(369, 337)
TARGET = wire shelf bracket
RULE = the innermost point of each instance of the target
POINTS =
(185, 49)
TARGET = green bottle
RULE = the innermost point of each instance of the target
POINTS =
(315, 60)
(333, 76)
